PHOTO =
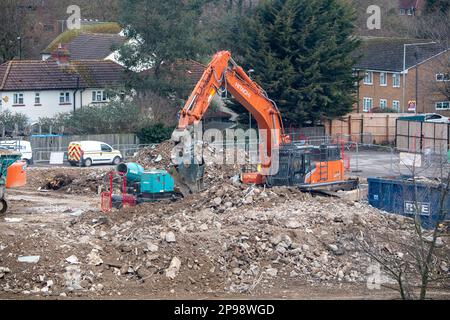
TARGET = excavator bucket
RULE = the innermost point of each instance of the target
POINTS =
(189, 165)
(189, 178)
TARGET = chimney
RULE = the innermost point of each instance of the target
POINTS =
(61, 55)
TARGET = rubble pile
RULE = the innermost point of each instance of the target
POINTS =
(70, 181)
(229, 240)
(156, 156)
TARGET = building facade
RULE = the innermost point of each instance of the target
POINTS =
(41, 89)
(403, 75)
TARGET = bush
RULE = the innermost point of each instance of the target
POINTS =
(9, 120)
(115, 117)
(383, 110)
(155, 134)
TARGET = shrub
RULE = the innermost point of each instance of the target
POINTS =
(156, 133)
(383, 110)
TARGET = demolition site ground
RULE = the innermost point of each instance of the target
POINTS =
(230, 241)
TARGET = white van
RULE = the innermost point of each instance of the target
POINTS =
(87, 153)
(24, 147)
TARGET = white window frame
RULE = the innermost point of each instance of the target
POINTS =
(442, 77)
(99, 96)
(366, 99)
(440, 105)
(369, 74)
(383, 75)
(64, 97)
(396, 76)
(37, 98)
(385, 103)
(18, 99)
(396, 105)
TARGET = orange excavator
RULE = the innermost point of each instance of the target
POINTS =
(281, 161)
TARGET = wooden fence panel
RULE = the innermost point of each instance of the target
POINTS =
(415, 136)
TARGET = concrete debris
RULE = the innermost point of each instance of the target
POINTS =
(4, 270)
(72, 260)
(170, 237)
(230, 238)
(29, 259)
(13, 220)
(72, 278)
(173, 269)
(272, 272)
(94, 258)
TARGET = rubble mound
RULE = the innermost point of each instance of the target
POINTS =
(67, 180)
(156, 156)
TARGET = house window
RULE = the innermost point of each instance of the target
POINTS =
(383, 79)
(64, 97)
(37, 98)
(383, 103)
(443, 77)
(368, 79)
(99, 96)
(410, 11)
(18, 98)
(402, 12)
(396, 80)
(396, 105)
(444, 105)
(368, 103)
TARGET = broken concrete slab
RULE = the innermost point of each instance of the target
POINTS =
(29, 259)
(173, 269)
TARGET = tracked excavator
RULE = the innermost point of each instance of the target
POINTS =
(282, 162)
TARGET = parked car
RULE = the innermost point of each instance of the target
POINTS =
(24, 147)
(427, 117)
(87, 153)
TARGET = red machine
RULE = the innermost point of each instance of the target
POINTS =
(109, 200)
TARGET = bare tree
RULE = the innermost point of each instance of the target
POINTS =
(11, 27)
(421, 258)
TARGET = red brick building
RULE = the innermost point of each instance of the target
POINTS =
(403, 74)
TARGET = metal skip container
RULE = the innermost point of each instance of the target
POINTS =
(406, 198)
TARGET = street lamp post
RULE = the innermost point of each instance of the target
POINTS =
(20, 47)
(405, 72)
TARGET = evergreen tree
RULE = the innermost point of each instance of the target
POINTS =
(301, 53)
(164, 31)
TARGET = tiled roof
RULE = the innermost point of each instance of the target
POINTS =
(94, 46)
(386, 54)
(47, 75)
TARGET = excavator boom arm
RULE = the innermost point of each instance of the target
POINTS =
(221, 73)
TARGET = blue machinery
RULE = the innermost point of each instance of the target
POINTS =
(138, 186)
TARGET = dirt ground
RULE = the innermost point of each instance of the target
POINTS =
(230, 242)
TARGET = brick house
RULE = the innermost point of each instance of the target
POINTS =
(402, 74)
